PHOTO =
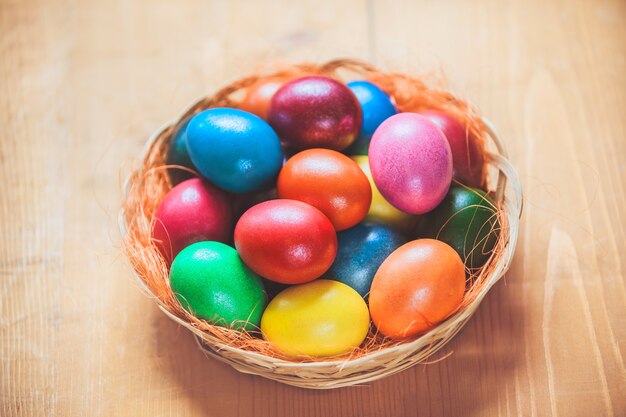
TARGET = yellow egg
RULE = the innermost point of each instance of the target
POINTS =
(380, 209)
(319, 318)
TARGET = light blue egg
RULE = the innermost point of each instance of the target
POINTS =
(376, 106)
(234, 149)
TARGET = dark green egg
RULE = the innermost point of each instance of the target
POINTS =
(466, 220)
(212, 282)
(177, 155)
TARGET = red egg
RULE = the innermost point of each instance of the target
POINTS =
(467, 153)
(286, 241)
(191, 212)
(329, 181)
(316, 112)
(259, 95)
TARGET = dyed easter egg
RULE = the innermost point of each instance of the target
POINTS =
(288, 152)
(212, 283)
(320, 318)
(466, 220)
(467, 152)
(361, 250)
(242, 202)
(259, 95)
(286, 241)
(411, 162)
(315, 112)
(381, 210)
(329, 181)
(376, 107)
(273, 288)
(234, 149)
(177, 155)
(192, 211)
(419, 285)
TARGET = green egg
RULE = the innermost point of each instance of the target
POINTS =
(212, 282)
(466, 220)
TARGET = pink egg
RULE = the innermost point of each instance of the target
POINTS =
(411, 162)
(193, 211)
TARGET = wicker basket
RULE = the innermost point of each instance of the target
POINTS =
(380, 363)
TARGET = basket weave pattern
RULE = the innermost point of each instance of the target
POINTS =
(382, 357)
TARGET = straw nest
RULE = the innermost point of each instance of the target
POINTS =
(378, 356)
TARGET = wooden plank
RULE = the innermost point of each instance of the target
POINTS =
(82, 84)
(552, 335)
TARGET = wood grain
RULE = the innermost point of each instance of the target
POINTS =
(83, 83)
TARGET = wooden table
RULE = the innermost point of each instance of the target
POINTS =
(82, 85)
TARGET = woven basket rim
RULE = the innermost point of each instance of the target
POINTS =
(303, 373)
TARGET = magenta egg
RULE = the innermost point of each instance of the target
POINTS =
(316, 112)
(193, 211)
(411, 162)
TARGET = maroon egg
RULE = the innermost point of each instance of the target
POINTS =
(193, 211)
(242, 202)
(316, 112)
(467, 154)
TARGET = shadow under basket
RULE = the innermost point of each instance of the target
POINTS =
(148, 183)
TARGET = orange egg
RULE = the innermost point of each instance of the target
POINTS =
(329, 181)
(259, 95)
(419, 285)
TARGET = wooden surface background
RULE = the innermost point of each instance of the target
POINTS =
(84, 82)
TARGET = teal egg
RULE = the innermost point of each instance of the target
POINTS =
(466, 220)
(361, 250)
(212, 282)
(177, 155)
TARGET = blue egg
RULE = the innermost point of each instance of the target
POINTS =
(177, 155)
(361, 250)
(234, 149)
(377, 107)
